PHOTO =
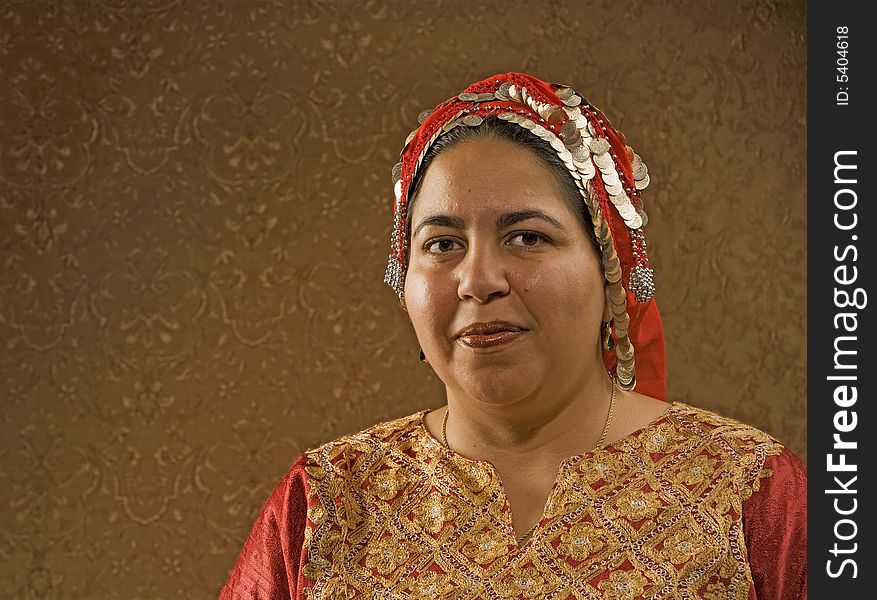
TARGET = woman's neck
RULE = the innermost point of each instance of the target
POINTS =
(545, 429)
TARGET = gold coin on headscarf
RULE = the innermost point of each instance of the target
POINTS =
(621, 334)
(472, 120)
(599, 145)
(467, 96)
(583, 163)
(397, 172)
(642, 184)
(424, 114)
(573, 100)
(618, 197)
(580, 153)
(557, 144)
(484, 97)
(617, 295)
(643, 216)
(410, 137)
(610, 259)
(570, 133)
(565, 93)
(623, 321)
(592, 129)
(604, 162)
(586, 167)
(613, 186)
(624, 354)
(627, 211)
(450, 125)
(624, 370)
(634, 222)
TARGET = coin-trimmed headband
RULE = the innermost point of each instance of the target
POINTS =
(609, 175)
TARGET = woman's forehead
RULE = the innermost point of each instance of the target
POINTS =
(488, 176)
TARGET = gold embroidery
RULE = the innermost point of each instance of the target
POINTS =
(700, 469)
(658, 514)
(432, 514)
(623, 585)
(387, 484)
(635, 505)
(429, 586)
(484, 547)
(386, 555)
(526, 582)
(581, 541)
(681, 546)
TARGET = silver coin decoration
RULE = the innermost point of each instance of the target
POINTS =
(600, 146)
(642, 283)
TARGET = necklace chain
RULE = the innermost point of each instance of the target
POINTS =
(599, 442)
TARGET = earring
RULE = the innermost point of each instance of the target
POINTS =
(423, 356)
(608, 340)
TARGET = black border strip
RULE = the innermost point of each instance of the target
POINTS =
(840, 244)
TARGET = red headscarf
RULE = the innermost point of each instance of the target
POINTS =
(609, 175)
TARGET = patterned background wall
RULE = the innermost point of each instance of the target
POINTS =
(194, 218)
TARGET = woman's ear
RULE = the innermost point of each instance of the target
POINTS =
(404, 309)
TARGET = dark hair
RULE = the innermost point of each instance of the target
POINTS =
(504, 130)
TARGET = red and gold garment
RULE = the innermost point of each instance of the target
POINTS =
(693, 505)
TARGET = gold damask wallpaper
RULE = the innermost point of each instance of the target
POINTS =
(194, 221)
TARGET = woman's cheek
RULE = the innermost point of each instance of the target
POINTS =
(429, 298)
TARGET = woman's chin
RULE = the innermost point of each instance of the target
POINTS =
(498, 390)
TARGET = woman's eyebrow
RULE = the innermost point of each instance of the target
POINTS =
(503, 221)
(440, 221)
(509, 219)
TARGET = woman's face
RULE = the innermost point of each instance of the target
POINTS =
(504, 287)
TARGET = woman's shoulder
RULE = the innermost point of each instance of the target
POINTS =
(707, 432)
(362, 448)
(695, 421)
(741, 451)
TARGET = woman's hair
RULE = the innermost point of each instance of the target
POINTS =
(493, 127)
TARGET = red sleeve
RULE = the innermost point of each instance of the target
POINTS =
(268, 565)
(775, 526)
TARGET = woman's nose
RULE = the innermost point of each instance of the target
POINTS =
(483, 275)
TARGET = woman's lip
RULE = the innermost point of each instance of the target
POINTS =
(491, 340)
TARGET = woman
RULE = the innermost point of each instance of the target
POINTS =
(556, 468)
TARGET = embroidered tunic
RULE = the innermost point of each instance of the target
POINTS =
(693, 505)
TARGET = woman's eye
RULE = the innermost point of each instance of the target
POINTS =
(442, 246)
(527, 239)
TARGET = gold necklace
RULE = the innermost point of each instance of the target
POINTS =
(599, 442)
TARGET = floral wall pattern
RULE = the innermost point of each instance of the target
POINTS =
(194, 222)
